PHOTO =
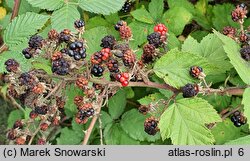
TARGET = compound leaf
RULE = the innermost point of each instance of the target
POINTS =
(184, 122)
(104, 7)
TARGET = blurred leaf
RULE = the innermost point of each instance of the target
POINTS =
(241, 141)
(14, 116)
(156, 8)
(246, 103)
(69, 137)
(47, 4)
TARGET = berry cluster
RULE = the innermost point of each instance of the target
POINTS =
(148, 54)
(245, 53)
(76, 50)
(85, 110)
(127, 6)
(123, 78)
(238, 119)
(125, 31)
(11, 65)
(196, 72)
(239, 13)
(35, 44)
(60, 66)
(190, 90)
(108, 42)
(150, 126)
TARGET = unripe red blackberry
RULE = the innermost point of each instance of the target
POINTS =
(97, 70)
(44, 126)
(85, 106)
(190, 90)
(129, 58)
(11, 65)
(39, 88)
(112, 65)
(229, 31)
(245, 53)
(108, 42)
(150, 126)
(36, 42)
(196, 72)
(239, 13)
(106, 53)
(41, 141)
(148, 53)
(20, 140)
(60, 102)
(79, 24)
(18, 124)
(125, 32)
(81, 82)
(33, 114)
(56, 56)
(155, 39)
(96, 58)
(161, 28)
(78, 100)
(53, 34)
(243, 37)
(60, 66)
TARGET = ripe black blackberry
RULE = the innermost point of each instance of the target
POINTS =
(154, 39)
(26, 79)
(27, 53)
(12, 134)
(190, 90)
(150, 126)
(83, 115)
(36, 42)
(76, 50)
(148, 53)
(60, 67)
(112, 65)
(245, 53)
(108, 42)
(119, 24)
(79, 24)
(127, 6)
(65, 36)
(128, 58)
(238, 119)
(42, 110)
(97, 70)
(11, 65)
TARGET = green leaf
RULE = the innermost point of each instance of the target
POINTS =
(184, 122)
(156, 9)
(219, 102)
(21, 28)
(246, 103)
(225, 131)
(14, 116)
(104, 7)
(105, 118)
(47, 4)
(198, 35)
(140, 32)
(151, 98)
(133, 124)
(114, 135)
(24, 64)
(70, 107)
(96, 21)
(69, 137)
(176, 19)
(174, 67)
(65, 17)
(184, 3)
(232, 50)
(241, 141)
(210, 47)
(117, 104)
(94, 41)
(173, 41)
(222, 16)
(142, 15)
